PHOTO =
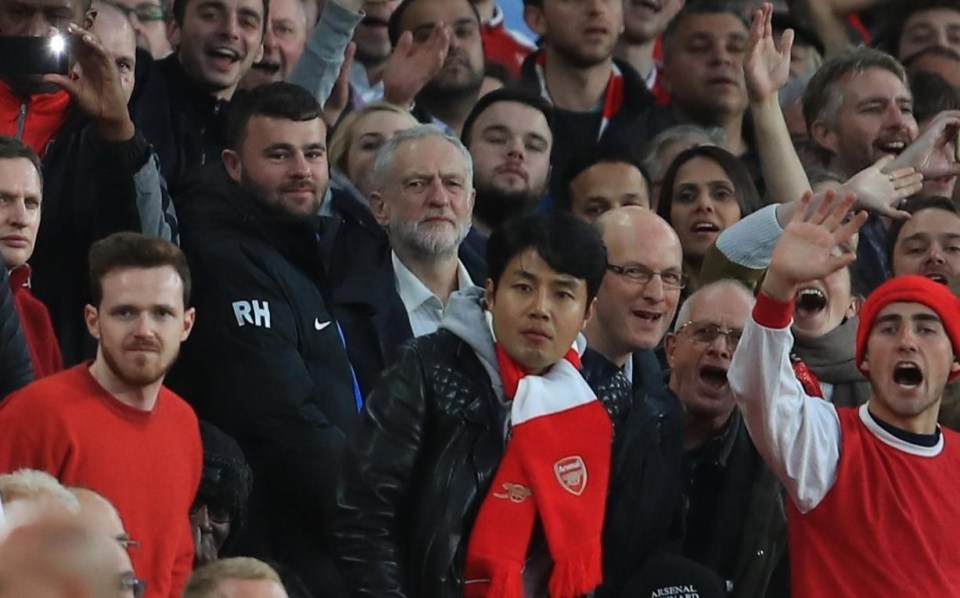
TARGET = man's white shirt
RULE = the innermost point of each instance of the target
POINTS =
(424, 309)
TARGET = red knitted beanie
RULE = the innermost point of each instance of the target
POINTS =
(910, 289)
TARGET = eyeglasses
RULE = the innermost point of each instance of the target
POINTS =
(130, 584)
(643, 275)
(706, 332)
(144, 12)
(128, 543)
(215, 513)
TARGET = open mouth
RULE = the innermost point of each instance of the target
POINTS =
(651, 5)
(937, 276)
(647, 316)
(370, 21)
(713, 376)
(224, 54)
(892, 146)
(271, 68)
(705, 228)
(810, 302)
(907, 374)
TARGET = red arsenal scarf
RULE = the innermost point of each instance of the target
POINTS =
(556, 467)
(612, 98)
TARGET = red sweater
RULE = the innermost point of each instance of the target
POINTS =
(37, 327)
(886, 526)
(147, 463)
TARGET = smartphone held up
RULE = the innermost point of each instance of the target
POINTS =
(34, 55)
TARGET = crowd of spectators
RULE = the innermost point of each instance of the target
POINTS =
(382, 298)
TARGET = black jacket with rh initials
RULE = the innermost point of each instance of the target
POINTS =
(267, 365)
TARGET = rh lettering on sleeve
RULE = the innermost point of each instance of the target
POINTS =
(253, 312)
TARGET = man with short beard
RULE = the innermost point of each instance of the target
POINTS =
(267, 364)
(447, 99)
(115, 415)
(858, 110)
(508, 135)
(595, 97)
(373, 50)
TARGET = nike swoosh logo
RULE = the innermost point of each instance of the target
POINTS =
(318, 325)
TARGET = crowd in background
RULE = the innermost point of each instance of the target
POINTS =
(323, 298)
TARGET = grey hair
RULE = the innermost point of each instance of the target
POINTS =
(823, 96)
(683, 314)
(384, 162)
(655, 147)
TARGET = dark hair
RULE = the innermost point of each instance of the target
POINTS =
(393, 25)
(746, 192)
(604, 153)
(913, 205)
(705, 7)
(566, 243)
(505, 94)
(12, 149)
(280, 100)
(127, 250)
(932, 95)
(226, 480)
(180, 11)
(898, 13)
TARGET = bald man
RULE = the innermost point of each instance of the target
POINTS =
(639, 294)
(635, 305)
(120, 40)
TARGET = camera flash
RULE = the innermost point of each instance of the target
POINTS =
(57, 44)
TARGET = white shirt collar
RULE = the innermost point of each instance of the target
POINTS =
(417, 298)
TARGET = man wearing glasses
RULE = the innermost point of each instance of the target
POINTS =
(733, 514)
(147, 19)
(633, 310)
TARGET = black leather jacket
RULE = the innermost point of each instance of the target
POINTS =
(418, 466)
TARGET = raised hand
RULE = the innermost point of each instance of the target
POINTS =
(340, 94)
(97, 92)
(880, 191)
(410, 67)
(933, 153)
(811, 246)
(766, 68)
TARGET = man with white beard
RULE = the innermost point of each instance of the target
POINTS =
(423, 196)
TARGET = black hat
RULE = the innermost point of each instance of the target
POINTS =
(227, 479)
(671, 576)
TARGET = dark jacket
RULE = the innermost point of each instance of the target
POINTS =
(15, 369)
(364, 298)
(266, 364)
(644, 507)
(473, 254)
(420, 462)
(91, 189)
(186, 125)
(746, 541)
